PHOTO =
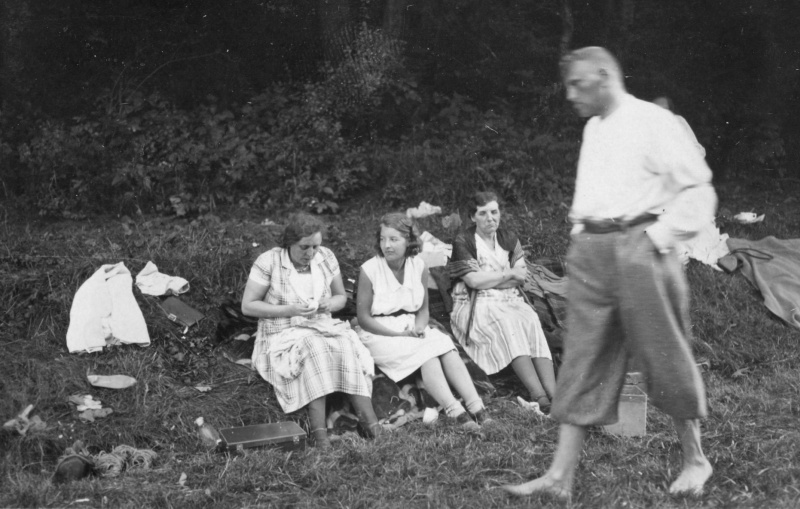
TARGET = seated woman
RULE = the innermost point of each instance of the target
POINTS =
(393, 322)
(490, 318)
(300, 350)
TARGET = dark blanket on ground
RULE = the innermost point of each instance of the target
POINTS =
(773, 266)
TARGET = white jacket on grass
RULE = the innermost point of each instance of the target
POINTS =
(104, 312)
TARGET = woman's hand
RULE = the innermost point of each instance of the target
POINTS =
(302, 310)
(412, 333)
(324, 305)
(519, 273)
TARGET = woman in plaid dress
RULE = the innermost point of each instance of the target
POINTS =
(490, 318)
(300, 350)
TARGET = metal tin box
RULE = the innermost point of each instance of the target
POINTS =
(284, 435)
(632, 412)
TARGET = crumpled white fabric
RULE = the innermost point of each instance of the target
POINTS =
(425, 209)
(104, 312)
(708, 246)
(531, 406)
(434, 253)
(431, 244)
(151, 282)
(90, 403)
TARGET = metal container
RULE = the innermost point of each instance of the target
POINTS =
(284, 435)
(632, 413)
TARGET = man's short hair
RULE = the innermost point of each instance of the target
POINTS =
(601, 57)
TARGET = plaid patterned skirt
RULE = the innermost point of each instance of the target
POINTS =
(302, 365)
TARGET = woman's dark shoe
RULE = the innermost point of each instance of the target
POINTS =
(369, 431)
(76, 463)
(482, 417)
(465, 422)
(320, 438)
(544, 404)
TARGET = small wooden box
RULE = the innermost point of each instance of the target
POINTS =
(632, 412)
(284, 435)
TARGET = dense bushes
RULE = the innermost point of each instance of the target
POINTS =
(305, 104)
(151, 155)
(284, 147)
(462, 149)
(293, 146)
(279, 150)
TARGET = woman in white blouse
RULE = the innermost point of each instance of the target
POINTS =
(393, 323)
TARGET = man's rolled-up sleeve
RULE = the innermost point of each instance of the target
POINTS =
(687, 178)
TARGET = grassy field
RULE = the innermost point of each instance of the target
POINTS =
(751, 436)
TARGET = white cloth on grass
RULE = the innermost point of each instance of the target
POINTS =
(152, 282)
(104, 312)
(708, 246)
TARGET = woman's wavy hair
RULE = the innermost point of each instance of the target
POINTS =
(300, 226)
(407, 228)
(481, 198)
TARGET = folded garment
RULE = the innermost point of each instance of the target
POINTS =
(151, 282)
(432, 244)
(104, 312)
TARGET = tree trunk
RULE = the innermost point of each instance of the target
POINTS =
(617, 23)
(337, 25)
(567, 27)
(14, 17)
(394, 17)
(626, 13)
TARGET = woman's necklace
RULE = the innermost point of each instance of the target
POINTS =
(301, 268)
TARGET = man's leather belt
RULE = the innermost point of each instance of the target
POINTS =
(617, 225)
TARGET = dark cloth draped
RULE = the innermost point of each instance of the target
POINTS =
(465, 251)
(465, 260)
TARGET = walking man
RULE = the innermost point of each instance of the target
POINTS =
(641, 186)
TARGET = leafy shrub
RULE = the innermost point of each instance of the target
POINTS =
(294, 145)
(463, 149)
(283, 148)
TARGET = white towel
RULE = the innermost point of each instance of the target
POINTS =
(151, 282)
(104, 312)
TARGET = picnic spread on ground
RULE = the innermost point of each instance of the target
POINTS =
(105, 314)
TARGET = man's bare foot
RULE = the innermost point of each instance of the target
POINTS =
(543, 485)
(692, 479)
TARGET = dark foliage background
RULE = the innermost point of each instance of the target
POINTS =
(181, 106)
